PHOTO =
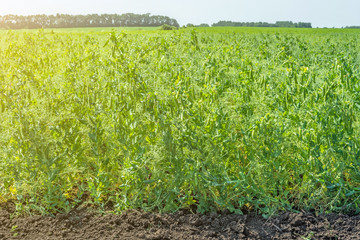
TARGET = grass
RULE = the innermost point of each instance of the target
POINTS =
(242, 119)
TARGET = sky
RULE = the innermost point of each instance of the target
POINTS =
(321, 13)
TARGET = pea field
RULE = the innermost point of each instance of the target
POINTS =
(207, 119)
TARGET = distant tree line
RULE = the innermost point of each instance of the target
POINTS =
(90, 20)
(288, 24)
(200, 25)
(352, 27)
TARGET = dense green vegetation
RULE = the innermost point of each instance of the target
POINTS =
(83, 21)
(286, 24)
(352, 27)
(209, 119)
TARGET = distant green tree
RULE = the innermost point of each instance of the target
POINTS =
(203, 25)
(168, 27)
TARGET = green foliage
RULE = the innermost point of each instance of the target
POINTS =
(203, 25)
(180, 119)
(284, 24)
(168, 27)
(82, 21)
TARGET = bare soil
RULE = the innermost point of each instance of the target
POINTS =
(82, 224)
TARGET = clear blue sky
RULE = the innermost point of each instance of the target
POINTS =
(321, 13)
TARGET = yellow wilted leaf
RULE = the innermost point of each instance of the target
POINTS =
(12, 189)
